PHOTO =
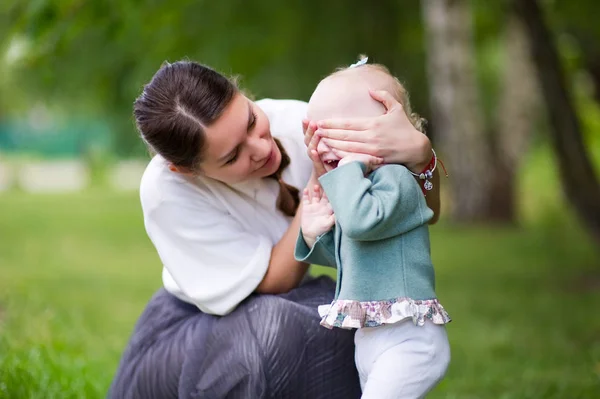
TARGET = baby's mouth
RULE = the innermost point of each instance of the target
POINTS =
(331, 164)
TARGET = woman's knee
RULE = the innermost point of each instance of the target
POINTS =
(276, 309)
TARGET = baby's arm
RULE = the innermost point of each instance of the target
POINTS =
(321, 253)
(386, 203)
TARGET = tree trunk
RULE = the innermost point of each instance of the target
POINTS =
(592, 62)
(577, 173)
(514, 118)
(591, 57)
(455, 106)
(590, 53)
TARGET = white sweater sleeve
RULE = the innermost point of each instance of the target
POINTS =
(215, 263)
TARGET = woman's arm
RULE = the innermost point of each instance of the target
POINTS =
(433, 197)
(390, 137)
(284, 271)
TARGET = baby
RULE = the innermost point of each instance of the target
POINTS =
(371, 223)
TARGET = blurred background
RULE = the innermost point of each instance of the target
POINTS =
(511, 90)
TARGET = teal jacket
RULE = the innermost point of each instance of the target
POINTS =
(380, 241)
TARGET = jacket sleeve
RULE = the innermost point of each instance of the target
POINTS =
(386, 203)
(322, 253)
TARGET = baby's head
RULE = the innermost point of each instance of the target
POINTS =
(345, 94)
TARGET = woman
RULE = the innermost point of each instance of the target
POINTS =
(219, 199)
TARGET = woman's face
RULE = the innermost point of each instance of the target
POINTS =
(239, 145)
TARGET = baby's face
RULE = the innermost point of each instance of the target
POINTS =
(342, 96)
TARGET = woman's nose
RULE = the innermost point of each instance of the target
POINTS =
(261, 148)
(262, 133)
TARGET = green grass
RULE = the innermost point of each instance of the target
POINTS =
(76, 270)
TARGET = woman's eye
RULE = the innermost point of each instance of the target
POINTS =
(251, 125)
(232, 159)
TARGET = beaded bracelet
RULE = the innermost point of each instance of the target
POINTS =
(427, 174)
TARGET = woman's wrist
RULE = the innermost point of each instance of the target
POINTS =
(422, 154)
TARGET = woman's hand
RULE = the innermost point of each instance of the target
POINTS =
(317, 215)
(390, 137)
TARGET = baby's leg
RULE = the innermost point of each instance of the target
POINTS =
(411, 360)
(363, 356)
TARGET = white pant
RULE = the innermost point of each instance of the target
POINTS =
(401, 360)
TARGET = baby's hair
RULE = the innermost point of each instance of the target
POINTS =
(397, 91)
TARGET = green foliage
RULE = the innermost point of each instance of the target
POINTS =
(92, 57)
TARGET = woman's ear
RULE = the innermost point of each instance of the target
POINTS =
(179, 169)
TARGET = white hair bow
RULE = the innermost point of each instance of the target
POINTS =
(362, 61)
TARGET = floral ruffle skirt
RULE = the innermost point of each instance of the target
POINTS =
(344, 313)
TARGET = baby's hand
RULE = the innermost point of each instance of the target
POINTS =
(369, 161)
(317, 215)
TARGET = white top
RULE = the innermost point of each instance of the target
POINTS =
(213, 239)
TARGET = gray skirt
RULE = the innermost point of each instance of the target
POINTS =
(271, 346)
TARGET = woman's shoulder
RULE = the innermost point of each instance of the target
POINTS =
(285, 116)
(160, 186)
(282, 107)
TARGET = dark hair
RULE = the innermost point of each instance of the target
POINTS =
(180, 101)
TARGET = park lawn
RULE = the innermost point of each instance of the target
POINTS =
(76, 270)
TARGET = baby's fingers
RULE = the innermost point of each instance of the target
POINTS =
(309, 129)
(317, 163)
(316, 197)
(352, 146)
(343, 154)
(340, 153)
(313, 141)
(375, 160)
(306, 196)
(324, 199)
